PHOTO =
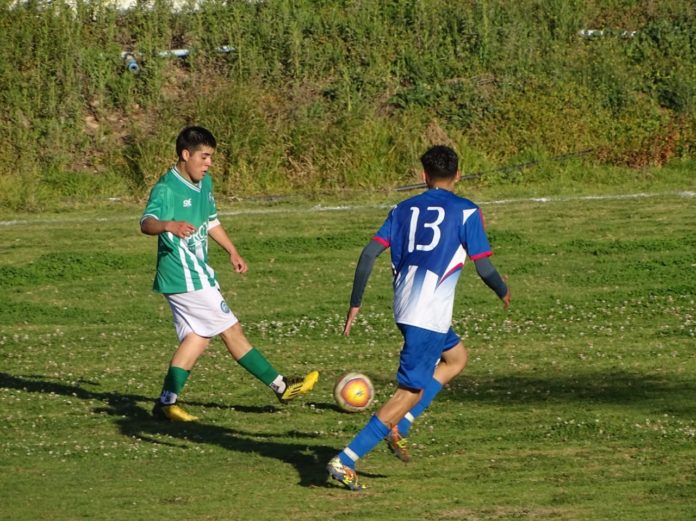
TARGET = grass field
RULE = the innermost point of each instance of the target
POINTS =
(579, 403)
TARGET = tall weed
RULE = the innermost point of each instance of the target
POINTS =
(320, 95)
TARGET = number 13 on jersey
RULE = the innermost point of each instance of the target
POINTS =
(429, 220)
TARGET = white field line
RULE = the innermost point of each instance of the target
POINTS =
(344, 208)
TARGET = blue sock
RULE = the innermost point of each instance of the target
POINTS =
(429, 393)
(366, 440)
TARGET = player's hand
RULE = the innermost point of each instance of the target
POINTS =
(507, 297)
(350, 317)
(181, 229)
(238, 263)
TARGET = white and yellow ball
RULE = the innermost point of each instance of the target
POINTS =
(354, 392)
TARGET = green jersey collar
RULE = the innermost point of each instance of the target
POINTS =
(181, 178)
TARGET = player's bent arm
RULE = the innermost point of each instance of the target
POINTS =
(363, 271)
(219, 235)
(492, 279)
(153, 226)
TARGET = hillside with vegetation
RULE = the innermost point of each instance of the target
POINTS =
(323, 95)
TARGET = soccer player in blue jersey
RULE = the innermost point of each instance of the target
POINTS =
(181, 212)
(430, 236)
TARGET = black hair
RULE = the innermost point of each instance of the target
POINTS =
(191, 138)
(440, 161)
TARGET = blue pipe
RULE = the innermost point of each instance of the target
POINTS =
(133, 66)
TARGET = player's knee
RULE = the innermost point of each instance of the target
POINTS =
(235, 340)
(458, 359)
(464, 359)
(407, 392)
(233, 332)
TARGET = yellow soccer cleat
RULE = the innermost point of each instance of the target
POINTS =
(297, 387)
(172, 413)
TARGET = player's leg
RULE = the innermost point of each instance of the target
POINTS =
(183, 361)
(255, 363)
(189, 351)
(342, 467)
(452, 362)
(418, 357)
(198, 316)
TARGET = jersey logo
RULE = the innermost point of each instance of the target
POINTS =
(187, 203)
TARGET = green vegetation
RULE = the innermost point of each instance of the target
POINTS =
(332, 95)
(578, 403)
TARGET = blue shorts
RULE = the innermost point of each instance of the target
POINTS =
(420, 354)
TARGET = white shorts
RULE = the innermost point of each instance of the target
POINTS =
(203, 312)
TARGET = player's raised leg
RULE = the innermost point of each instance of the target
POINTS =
(452, 363)
(255, 363)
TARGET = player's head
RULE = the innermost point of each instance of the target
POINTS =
(195, 147)
(440, 162)
(193, 138)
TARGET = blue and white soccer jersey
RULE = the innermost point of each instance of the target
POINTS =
(430, 236)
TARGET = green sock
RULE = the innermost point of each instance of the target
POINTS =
(175, 380)
(256, 364)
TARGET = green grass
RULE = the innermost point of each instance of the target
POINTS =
(579, 403)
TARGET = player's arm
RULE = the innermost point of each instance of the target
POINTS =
(158, 205)
(219, 235)
(492, 279)
(153, 226)
(362, 275)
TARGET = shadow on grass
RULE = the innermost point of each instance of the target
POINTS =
(134, 421)
(664, 392)
(658, 393)
(661, 393)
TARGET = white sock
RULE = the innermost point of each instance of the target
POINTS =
(168, 397)
(278, 385)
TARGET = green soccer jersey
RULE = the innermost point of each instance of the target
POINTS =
(182, 264)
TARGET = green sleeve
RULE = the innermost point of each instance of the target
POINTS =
(212, 208)
(157, 203)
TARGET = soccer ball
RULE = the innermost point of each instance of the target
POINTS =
(354, 392)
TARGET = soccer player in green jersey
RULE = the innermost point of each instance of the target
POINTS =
(181, 212)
